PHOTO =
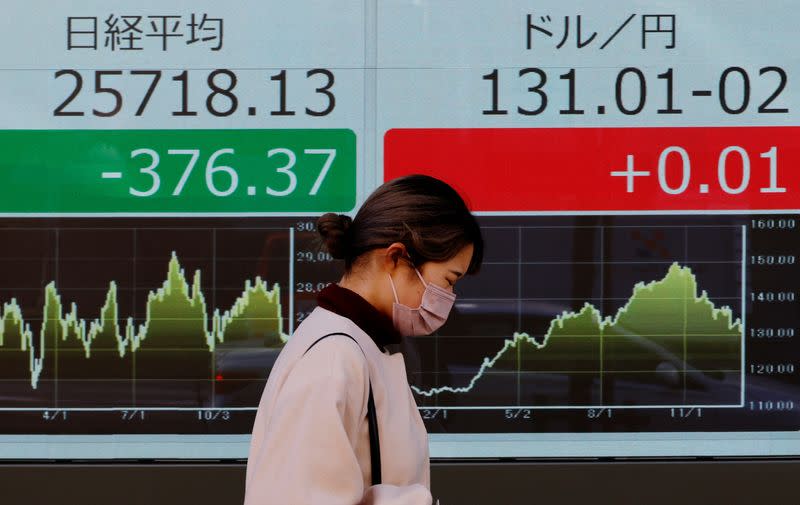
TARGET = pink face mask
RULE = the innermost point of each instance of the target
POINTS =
(429, 316)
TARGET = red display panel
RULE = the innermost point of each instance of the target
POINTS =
(606, 169)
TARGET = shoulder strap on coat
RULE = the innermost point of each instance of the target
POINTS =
(372, 419)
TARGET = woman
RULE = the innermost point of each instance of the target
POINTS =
(408, 245)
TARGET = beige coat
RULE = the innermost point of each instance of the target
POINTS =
(310, 440)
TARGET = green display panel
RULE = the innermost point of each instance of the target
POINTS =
(170, 171)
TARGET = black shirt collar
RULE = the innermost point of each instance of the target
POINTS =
(354, 307)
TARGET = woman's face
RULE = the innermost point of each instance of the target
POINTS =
(444, 274)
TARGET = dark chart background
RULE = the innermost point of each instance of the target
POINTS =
(668, 362)
(664, 365)
(173, 382)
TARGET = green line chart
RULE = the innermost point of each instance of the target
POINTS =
(177, 317)
(670, 314)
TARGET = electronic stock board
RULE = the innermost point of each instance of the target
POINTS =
(633, 164)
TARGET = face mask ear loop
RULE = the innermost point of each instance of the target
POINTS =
(394, 291)
(420, 277)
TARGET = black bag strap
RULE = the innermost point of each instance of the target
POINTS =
(372, 419)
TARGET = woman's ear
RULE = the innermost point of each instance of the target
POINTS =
(393, 254)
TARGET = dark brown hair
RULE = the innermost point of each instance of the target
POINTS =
(423, 213)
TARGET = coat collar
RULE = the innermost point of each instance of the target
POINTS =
(353, 306)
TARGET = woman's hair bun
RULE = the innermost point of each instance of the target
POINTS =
(333, 229)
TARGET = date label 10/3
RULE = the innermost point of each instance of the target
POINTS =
(178, 171)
